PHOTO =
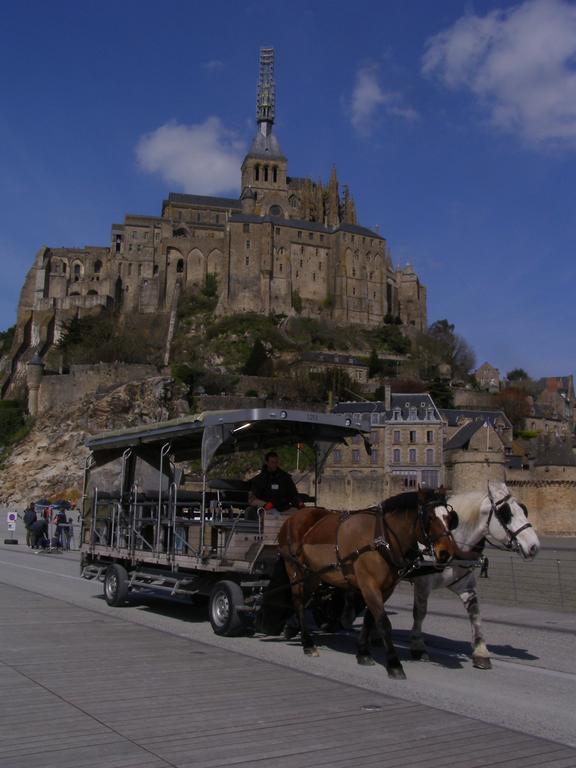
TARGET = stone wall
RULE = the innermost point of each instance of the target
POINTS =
(550, 495)
(60, 390)
(469, 398)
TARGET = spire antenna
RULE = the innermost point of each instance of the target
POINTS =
(266, 100)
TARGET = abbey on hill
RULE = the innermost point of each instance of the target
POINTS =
(286, 244)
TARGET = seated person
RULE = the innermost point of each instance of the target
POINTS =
(272, 488)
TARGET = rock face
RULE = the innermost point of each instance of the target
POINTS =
(49, 462)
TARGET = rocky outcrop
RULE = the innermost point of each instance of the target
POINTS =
(49, 461)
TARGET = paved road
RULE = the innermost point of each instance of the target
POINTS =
(65, 649)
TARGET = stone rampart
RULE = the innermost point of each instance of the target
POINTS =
(550, 497)
(60, 390)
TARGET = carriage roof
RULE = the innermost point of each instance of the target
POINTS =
(223, 432)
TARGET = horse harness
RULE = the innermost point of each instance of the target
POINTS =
(381, 544)
(497, 510)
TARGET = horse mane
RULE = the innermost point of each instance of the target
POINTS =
(408, 500)
(468, 504)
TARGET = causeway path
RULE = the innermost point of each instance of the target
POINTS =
(83, 684)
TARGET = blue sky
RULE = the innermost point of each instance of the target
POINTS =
(453, 122)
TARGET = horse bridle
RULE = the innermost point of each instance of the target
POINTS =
(424, 517)
(496, 511)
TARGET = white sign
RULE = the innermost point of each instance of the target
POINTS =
(11, 518)
(11, 526)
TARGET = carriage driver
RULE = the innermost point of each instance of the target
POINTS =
(272, 488)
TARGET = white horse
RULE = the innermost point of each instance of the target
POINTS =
(496, 517)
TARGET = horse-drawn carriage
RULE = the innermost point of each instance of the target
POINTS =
(144, 530)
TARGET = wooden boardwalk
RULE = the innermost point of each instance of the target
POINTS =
(81, 689)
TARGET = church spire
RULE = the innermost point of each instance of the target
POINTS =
(266, 99)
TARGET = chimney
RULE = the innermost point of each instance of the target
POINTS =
(387, 397)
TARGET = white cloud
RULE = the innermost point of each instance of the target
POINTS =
(214, 65)
(202, 159)
(368, 96)
(519, 63)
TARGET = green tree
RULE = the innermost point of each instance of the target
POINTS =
(256, 361)
(441, 393)
(517, 374)
(6, 338)
(374, 364)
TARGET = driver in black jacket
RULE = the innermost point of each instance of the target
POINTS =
(272, 488)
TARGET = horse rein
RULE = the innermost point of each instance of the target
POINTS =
(495, 511)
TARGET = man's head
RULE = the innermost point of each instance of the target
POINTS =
(271, 461)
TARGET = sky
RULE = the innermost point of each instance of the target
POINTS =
(453, 123)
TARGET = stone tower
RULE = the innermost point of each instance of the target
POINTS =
(264, 167)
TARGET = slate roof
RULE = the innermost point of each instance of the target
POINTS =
(461, 439)
(451, 416)
(402, 402)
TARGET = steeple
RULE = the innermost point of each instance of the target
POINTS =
(266, 99)
(264, 167)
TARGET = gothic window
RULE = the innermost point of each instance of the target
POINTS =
(265, 173)
(280, 267)
(63, 267)
(293, 200)
(180, 265)
(77, 271)
(257, 173)
(275, 210)
(155, 271)
(274, 174)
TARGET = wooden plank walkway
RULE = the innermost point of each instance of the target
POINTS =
(79, 689)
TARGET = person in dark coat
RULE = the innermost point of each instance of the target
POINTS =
(29, 519)
(272, 488)
(39, 533)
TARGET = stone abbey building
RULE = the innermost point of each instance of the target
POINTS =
(286, 244)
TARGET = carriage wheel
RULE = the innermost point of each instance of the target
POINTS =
(225, 599)
(116, 584)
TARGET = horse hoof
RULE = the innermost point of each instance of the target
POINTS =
(481, 662)
(420, 655)
(290, 632)
(365, 661)
(396, 673)
(312, 651)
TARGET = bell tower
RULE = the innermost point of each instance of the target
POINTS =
(264, 167)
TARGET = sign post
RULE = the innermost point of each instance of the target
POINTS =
(11, 518)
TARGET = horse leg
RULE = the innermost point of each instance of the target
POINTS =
(418, 648)
(375, 602)
(469, 596)
(363, 654)
(300, 599)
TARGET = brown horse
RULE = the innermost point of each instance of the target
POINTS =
(367, 550)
